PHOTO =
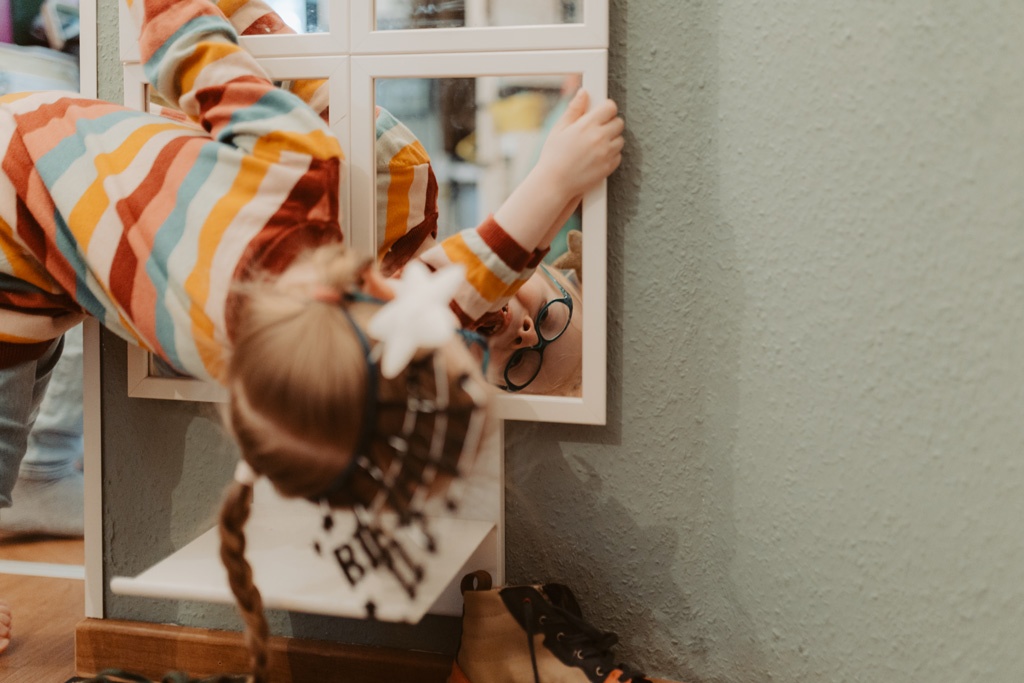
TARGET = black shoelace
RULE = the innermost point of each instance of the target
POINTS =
(585, 641)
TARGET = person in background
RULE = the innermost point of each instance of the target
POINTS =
(50, 487)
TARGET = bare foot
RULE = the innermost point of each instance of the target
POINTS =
(5, 625)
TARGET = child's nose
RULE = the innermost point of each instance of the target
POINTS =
(526, 335)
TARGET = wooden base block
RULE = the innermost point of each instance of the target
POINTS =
(154, 650)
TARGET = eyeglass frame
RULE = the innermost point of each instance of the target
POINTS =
(542, 342)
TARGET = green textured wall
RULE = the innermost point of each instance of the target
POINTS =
(811, 470)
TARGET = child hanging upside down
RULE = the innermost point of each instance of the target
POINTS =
(215, 244)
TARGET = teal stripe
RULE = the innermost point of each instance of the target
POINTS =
(56, 162)
(167, 238)
(68, 246)
(385, 122)
(206, 26)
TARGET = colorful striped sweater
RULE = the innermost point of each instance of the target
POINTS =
(146, 222)
(406, 199)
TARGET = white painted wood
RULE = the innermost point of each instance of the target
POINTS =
(292, 576)
(87, 46)
(127, 34)
(92, 424)
(591, 33)
(49, 570)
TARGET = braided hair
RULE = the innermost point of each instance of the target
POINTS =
(311, 412)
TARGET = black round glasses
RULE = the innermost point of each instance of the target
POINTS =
(551, 321)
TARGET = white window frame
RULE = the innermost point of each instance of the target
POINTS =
(351, 59)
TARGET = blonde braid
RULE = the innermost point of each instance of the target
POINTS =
(233, 516)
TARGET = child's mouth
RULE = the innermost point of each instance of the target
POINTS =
(495, 322)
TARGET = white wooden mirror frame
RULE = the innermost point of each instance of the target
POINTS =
(91, 394)
(351, 61)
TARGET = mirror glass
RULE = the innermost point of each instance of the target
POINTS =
(483, 135)
(39, 46)
(419, 14)
(302, 16)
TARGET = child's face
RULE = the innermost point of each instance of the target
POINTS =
(561, 368)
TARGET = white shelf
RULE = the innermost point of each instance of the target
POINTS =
(280, 536)
(291, 576)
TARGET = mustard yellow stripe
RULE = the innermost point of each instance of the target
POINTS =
(229, 7)
(14, 97)
(318, 144)
(200, 60)
(94, 201)
(304, 89)
(402, 175)
(266, 153)
(5, 337)
(243, 189)
(485, 282)
(85, 217)
(23, 268)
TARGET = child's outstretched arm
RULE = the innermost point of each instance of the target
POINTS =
(257, 18)
(583, 149)
(191, 55)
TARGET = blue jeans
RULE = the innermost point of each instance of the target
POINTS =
(22, 389)
(55, 444)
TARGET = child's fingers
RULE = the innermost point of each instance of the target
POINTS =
(576, 109)
(616, 126)
(611, 130)
(603, 113)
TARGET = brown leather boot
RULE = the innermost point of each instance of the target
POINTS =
(532, 634)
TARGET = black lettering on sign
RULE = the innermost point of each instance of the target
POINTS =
(346, 558)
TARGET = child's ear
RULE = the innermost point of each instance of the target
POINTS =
(376, 285)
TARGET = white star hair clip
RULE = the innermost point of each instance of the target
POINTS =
(419, 317)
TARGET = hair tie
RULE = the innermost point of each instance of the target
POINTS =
(245, 474)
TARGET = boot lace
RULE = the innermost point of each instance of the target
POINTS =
(586, 642)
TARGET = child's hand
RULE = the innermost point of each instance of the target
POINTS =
(583, 147)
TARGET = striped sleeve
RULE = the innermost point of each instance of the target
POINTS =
(496, 267)
(257, 18)
(192, 57)
(147, 223)
(406, 193)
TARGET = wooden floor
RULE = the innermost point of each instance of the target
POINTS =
(45, 609)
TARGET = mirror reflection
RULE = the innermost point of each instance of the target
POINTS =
(425, 14)
(301, 16)
(471, 142)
